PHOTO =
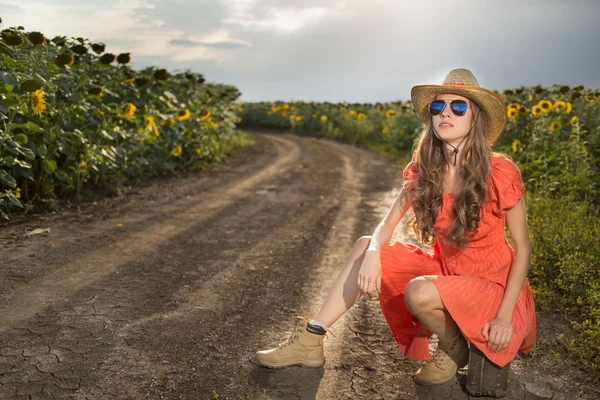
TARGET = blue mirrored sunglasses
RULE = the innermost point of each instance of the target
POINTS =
(458, 107)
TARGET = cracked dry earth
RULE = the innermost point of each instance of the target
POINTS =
(167, 292)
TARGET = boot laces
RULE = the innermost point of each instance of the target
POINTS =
(442, 351)
(295, 335)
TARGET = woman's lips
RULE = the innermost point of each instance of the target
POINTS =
(445, 125)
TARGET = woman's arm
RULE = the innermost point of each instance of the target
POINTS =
(517, 226)
(498, 331)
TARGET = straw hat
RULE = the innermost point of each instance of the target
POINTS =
(462, 82)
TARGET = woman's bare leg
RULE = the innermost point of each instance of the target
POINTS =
(424, 302)
(344, 292)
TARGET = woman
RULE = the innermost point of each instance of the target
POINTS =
(473, 289)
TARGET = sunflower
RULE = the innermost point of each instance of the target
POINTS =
(352, 112)
(213, 125)
(536, 110)
(38, 102)
(569, 107)
(237, 121)
(299, 118)
(385, 130)
(390, 113)
(151, 124)
(182, 115)
(555, 125)
(18, 193)
(574, 119)
(512, 113)
(178, 151)
(284, 114)
(589, 99)
(516, 145)
(361, 116)
(523, 110)
(560, 105)
(205, 114)
(129, 110)
(286, 106)
(546, 105)
(168, 122)
(323, 118)
(516, 106)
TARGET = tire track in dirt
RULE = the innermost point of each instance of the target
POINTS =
(146, 233)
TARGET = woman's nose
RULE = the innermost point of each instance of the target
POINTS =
(446, 111)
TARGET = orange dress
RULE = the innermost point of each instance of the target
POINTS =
(470, 282)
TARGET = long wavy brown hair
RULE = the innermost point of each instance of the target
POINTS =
(471, 189)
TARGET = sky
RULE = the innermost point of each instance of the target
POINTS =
(336, 51)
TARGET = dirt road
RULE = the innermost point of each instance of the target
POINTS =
(167, 292)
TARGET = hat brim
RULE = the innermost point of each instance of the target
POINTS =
(491, 104)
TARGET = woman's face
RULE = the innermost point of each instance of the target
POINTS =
(450, 127)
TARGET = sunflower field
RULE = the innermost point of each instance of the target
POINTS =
(72, 114)
(553, 134)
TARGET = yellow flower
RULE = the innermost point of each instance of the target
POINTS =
(352, 112)
(536, 110)
(385, 130)
(516, 145)
(560, 105)
(129, 80)
(205, 114)
(569, 107)
(390, 113)
(82, 165)
(178, 151)
(168, 122)
(129, 110)
(18, 193)
(299, 118)
(546, 105)
(213, 125)
(589, 99)
(38, 102)
(182, 115)
(574, 119)
(361, 116)
(555, 125)
(323, 118)
(517, 106)
(284, 114)
(198, 151)
(286, 106)
(512, 112)
(150, 123)
(237, 121)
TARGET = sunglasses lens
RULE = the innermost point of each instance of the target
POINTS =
(459, 107)
(436, 107)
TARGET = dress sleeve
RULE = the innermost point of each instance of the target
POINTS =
(410, 172)
(509, 186)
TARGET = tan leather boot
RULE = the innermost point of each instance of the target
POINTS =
(301, 348)
(445, 362)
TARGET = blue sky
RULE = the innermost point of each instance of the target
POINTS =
(356, 51)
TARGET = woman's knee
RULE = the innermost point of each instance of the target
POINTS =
(418, 295)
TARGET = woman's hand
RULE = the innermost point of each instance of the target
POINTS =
(497, 334)
(370, 273)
